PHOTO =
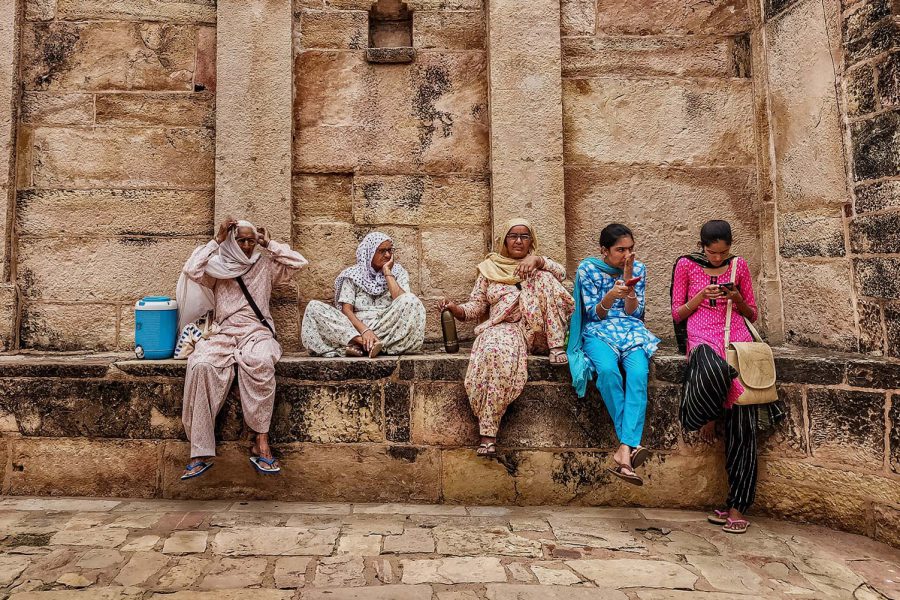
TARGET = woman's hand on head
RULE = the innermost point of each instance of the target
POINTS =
(262, 237)
(224, 228)
(454, 308)
(529, 265)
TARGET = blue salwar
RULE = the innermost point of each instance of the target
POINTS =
(601, 345)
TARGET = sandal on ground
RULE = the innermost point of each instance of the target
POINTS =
(735, 525)
(639, 456)
(189, 469)
(718, 517)
(376, 350)
(486, 449)
(353, 351)
(558, 357)
(632, 478)
(264, 465)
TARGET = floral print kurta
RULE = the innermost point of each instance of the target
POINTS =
(533, 318)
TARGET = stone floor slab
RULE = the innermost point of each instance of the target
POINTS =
(554, 574)
(275, 541)
(100, 538)
(11, 567)
(141, 567)
(453, 570)
(306, 508)
(387, 592)
(475, 539)
(107, 593)
(627, 573)
(186, 542)
(340, 571)
(549, 592)
(728, 575)
(59, 504)
(446, 510)
(232, 573)
(240, 594)
(290, 571)
(413, 540)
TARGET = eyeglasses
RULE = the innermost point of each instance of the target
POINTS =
(385, 252)
(246, 241)
(524, 237)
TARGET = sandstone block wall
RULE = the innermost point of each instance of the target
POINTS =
(114, 162)
(871, 44)
(401, 148)
(658, 130)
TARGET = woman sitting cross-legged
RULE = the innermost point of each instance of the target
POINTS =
(527, 310)
(702, 288)
(607, 332)
(373, 311)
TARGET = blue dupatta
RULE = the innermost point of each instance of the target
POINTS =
(580, 367)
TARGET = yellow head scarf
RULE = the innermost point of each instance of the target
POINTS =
(500, 267)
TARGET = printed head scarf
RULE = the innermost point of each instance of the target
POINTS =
(362, 274)
(229, 261)
(498, 266)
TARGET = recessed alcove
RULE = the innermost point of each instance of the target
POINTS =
(390, 33)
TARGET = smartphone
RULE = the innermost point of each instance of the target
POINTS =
(633, 281)
(726, 286)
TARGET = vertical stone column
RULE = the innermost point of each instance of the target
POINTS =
(525, 100)
(9, 86)
(253, 112)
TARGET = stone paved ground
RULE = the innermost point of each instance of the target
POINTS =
(57, 548)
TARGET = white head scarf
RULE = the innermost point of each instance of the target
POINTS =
(362, 274)
(229, 261)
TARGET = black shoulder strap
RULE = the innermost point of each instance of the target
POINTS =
(252, 303)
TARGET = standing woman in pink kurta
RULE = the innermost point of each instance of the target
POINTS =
(527, 310)
(244, 345)
(701, 289)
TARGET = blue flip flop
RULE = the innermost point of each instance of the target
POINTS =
(206, 467)
(270, 463)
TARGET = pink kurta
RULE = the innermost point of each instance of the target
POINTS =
(243, 341)
(706, 325)
(519, 321)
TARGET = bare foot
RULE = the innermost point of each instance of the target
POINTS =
(708, 433)
(261, 447)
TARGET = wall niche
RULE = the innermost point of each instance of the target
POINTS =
(390, 33)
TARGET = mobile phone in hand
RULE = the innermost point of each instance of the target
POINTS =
(726, 287)
(633, 281)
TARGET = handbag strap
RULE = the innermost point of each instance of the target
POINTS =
(252, 303)
(729, 309)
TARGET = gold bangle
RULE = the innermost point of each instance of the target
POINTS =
(603, 307)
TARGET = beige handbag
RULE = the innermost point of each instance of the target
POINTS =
(753, 361)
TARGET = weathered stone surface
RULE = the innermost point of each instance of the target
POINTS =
(413, 540)
(883, 36)
(859, 86)
(329, 414)
(172, 110)
(670, 17)
(450, 367)
(58, 269)
(340, 571)
(11, 567)
(651, 573)
(459, 540)
(186, 542)
(577, 17)
(114, 212)
(877, 196)
(82, 467)
(889, 81)
(805, 124)
(275, 541)
(304, 368)
(875, 277)
(789, 438)
(878, 234)
(549, 592)
(231, 573)
(258, 594)
(183, 574)
(141, 567)
(833, 326)
(9, 311)
(397, 412)
(645, 195)
(47, 108)
(453, 570)
(875, 143)
(651, 56)
(387, 592)
(69, 326)
(441, 415)
(871, 332)
(108, 55)
(324, 198)
(335, 29)
(430, 115)
(873, 373)
(205, 70)
(847, 426)
(728, 575)
(809, 366)
(873, 486)
(145, 543)
(348, 473)
(420, 200)
(449, 30)
(184, 11)
(812, 233)
(585, 532)
(290, 572)
(887, 525)
(637, 121)
(173, 158)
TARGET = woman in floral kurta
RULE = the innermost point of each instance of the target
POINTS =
(527, 310)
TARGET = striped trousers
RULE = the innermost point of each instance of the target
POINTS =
(706, 384)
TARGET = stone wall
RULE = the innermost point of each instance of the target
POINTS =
(114, 164)
(401, 148)
(871, 43)
(659, 130)
(394, 430)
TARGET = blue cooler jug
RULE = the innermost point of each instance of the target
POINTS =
(155, 327)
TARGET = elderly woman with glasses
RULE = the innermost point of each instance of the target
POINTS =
(527, 310)
(374, 310)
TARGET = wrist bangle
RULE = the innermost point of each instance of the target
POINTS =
(603, 307)
(367, 330)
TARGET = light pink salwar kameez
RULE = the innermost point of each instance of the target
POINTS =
(243, 341)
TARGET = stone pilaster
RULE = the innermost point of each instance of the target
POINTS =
(526, 118)
(9, 84)
(253, 113)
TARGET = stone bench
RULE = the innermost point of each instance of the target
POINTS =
(400, 429)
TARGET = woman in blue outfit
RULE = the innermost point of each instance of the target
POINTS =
(607, 332)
